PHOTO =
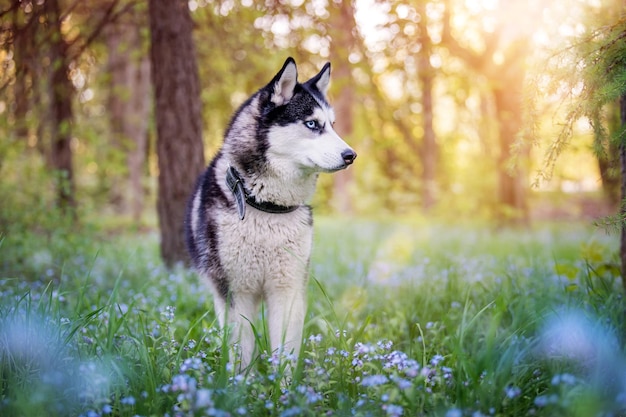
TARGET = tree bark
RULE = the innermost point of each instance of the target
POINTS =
(342, 26)
(429, 149)
(24, 41)
(607, 165)
(118, 68)
(138, 130)
(622, 212)
(512, 186)
(61, 109)
(608, 157)
(178, 115)
(128, 107)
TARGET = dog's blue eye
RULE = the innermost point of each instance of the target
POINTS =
(312, 124)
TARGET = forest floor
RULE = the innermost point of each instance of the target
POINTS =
(404, 319)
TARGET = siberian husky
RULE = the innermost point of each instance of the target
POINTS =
(249, 228)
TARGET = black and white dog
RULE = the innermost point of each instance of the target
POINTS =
(249, 228)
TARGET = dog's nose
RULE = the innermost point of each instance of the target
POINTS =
(348, 156)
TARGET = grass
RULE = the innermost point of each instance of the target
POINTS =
(404, 320)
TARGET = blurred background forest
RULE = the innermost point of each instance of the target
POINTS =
(454, 106)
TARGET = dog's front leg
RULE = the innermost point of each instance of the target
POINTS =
(286, 310)
(241, 315)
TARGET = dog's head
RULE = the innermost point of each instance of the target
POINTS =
(299, 123)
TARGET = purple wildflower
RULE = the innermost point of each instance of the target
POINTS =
(374, 380)
(393, 410)
(512, 391)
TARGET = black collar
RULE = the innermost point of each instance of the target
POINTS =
(235, 183)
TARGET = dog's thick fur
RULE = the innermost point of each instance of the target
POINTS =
(277, 142)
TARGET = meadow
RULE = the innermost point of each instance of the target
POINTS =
(405, 319)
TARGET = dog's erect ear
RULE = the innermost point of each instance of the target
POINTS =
(284, 83)
(321, 80)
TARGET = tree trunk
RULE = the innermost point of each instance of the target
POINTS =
(61, 109)
(608, 157)
(622, 160)
(138, 130)
(342, 25)
(178, 119)
(128, 107)
(429, 149)
(508, 85)
(118, 68)
(24, 42)
(607, 165)
(512, 185)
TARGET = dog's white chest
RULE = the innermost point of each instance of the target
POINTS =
(265, 250)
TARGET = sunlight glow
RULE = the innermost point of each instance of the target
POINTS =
(318, 45)
(498, 58)
(393, 86)
(435, 61)
(280, 25)
(477, 6)
(540, 37)
(370, 15)
(402, 11)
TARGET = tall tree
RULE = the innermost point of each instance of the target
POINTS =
(607, 153)
(507, 89)
(596, 59)
(61, 108)
(411, 154)
(128, 108)
(23, 27)
(46, 52)
(178, 115)
(426, 75)
(501, 61)
(342, 29)
(606, 148)
(622, 160)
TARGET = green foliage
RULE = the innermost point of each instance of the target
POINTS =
(404, 319)
(590, 75)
